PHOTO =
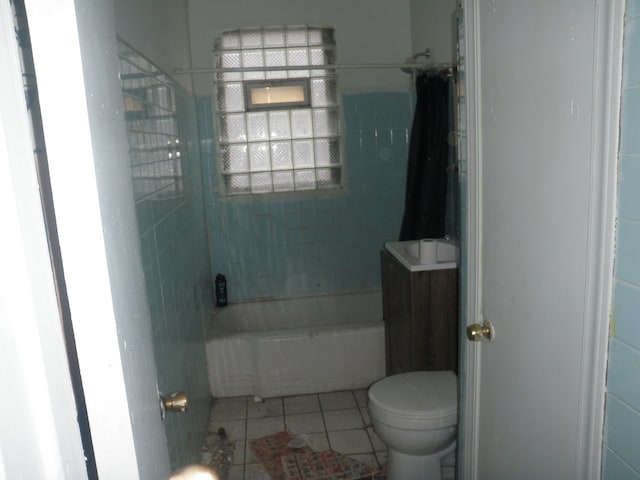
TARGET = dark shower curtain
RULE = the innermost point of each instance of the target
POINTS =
(426, 190)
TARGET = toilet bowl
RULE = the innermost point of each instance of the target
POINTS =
(415, 414)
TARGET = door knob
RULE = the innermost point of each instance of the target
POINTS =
(478, 331)
(176, 402)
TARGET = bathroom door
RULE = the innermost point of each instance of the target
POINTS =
(75, 59)
(542, 99)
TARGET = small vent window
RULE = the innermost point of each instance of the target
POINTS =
(278, 124)
(266, 95)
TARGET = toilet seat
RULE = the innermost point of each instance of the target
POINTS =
(416, 400)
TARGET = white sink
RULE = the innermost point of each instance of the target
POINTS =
(426, 254)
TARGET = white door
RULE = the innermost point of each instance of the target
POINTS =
(76, 65)
(543, 99)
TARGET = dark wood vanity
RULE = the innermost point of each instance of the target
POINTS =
(420, 311)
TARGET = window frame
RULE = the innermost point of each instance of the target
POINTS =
(285, 82)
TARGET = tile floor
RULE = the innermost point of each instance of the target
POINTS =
(337, 420)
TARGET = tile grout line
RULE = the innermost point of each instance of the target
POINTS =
(246, 439)
(324, 423)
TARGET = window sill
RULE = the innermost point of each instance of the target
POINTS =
(325, 193)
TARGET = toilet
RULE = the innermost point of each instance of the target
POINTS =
(415, 414)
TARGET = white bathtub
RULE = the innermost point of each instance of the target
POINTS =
(296, 346)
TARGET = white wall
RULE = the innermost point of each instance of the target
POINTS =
(158, 29)
(180, 33)
(367, 31)
(433, 26)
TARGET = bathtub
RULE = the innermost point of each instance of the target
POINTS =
(296, 346)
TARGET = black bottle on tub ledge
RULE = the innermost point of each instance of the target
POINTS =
(221, 290)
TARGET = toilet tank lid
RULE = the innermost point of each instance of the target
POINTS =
(424, 395)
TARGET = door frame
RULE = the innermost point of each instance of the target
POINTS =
(39, 434)
(470, 362)
(607, 76)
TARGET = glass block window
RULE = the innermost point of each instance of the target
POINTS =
(278, 148)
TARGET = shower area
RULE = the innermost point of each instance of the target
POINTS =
(284, 254)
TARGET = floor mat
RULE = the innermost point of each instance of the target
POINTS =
(326, 465)
(284, 462)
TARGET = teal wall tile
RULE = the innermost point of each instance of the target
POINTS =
(614, 468)
(383, 140)
(624, 373)
(622, 423)
(368, 145)
(621, 429)
(628, 181)
(630, 118)
(633, 9)
(627, 251)
(626, 306)
(631, 62)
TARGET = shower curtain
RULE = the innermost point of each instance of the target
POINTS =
(426, 188)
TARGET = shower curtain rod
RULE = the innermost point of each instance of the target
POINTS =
(450, 69)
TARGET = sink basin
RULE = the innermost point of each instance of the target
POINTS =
(426, 254)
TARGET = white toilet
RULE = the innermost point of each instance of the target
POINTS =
(415, 415)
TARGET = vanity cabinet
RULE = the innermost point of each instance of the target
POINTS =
(421, 317)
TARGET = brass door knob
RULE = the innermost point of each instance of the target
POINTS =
(478, 331)
(176, 402)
